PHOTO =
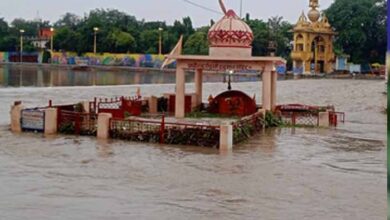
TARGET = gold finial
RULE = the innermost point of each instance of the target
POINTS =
(313, 14)
(313, 4)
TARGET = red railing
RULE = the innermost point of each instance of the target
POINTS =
(301, 118)
(335, 117)
(120, 106)
(164, 132)
(71, 122)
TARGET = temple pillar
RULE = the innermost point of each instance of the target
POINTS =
(198, 86)
(267, 91)
(153, 105)
(274, 80)
(294, 66)
(180, 93)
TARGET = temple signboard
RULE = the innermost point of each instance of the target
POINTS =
(33, 120)
(218, 66)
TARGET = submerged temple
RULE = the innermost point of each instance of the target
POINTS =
(313, 43)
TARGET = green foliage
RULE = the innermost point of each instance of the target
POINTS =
(197, 44)
(127, 114)
(121, 41)
(67, 128)
(272, 120)
(149, 41)
(162, 104)
(361, 27)
(204, 114)
(46, 56)
(79, 107)
(242, 133)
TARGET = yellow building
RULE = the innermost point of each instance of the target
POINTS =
(313, 43)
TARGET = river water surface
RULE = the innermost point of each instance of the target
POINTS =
(279, 174)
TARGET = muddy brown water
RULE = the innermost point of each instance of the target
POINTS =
(279, 174)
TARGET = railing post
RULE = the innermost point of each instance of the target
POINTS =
(324, 119)
(59, 117)
(77, 123)
(293, 119)
(153, 105)
(95, 105)
(103, 127)
(162, 129)
(318, 119)
(50, 103)
(334, 118)
(122, 109)
(16, 116)
(51, 121)
(226, 138)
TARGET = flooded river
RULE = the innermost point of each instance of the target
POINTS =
(280, 174)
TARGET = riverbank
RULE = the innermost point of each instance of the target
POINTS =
(90, 67)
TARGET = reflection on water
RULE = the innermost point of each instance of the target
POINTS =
(46, 76)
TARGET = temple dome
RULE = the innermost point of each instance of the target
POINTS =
(314, 15)
(230, 31)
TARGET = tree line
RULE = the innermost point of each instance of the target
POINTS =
(361, 27)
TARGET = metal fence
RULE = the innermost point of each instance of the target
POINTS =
(136, 130)
(310, 119)
(192, 134)
(71, 122)
(158, 131)
(120, 107)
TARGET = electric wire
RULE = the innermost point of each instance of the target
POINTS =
(203, 7)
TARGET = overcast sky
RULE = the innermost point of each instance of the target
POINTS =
(152, 10)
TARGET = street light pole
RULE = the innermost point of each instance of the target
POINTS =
(21, 45)
(230, 80)
(160, 41)
(95, 30)
(51, 39)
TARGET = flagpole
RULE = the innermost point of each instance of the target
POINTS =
(240, 8)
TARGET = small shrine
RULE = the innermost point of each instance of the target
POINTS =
(313, 43)
(230, 50)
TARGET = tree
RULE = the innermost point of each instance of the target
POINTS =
(280, 33)
(69, 20)
(7, 41)
(361, 27)
(261, 37)
(197, 44)
(121, 42)
(66, 39)
(149, 41)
